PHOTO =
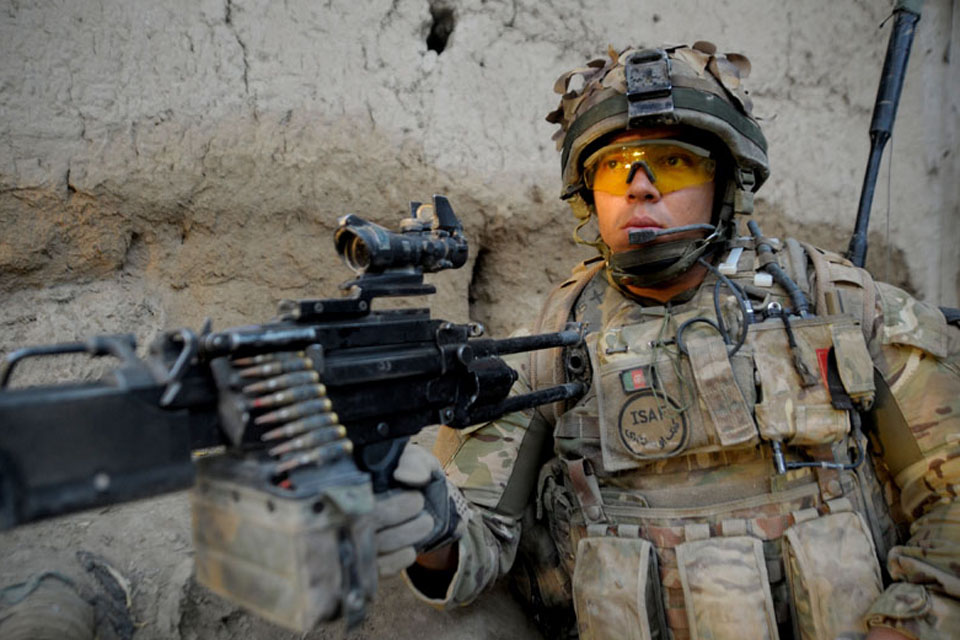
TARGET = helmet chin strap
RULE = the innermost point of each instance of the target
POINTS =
(651, 265)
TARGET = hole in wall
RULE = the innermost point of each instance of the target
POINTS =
(475, 291)
(442, 22)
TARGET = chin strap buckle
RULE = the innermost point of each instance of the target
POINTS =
(743, 196)
(649, 89)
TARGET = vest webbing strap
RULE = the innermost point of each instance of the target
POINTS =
(718, 389)
(546, 365)
(827, 289)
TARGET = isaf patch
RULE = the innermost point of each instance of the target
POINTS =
(651, 424)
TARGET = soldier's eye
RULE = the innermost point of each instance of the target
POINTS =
(678, 160)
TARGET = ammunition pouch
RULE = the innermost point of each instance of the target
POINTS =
(800, 412)
(726, 589)
(833, 572)
(616, 590)
(270, 550)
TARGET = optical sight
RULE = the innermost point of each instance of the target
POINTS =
(430, 240)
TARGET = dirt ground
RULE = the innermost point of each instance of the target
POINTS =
(148, 542)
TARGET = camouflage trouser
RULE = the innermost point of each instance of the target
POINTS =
(723, 571)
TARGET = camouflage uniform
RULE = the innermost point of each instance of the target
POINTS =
(707, 509)
(652, 507)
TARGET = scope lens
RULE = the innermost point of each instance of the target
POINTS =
(357, 254)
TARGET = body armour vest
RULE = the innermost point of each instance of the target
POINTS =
(714, 477)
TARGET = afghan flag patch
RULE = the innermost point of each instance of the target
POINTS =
(635, 379)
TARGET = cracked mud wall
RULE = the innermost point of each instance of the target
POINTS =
(197, 155)
(165, 161)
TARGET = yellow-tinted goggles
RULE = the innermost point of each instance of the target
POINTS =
(670, 165)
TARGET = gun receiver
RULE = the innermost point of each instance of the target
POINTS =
(311, 410)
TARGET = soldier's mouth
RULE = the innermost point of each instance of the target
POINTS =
(642, 222)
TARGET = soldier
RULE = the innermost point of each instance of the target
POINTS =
(715, 481)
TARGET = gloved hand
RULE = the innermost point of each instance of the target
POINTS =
(424, 512)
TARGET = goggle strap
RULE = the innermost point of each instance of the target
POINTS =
(574, 190)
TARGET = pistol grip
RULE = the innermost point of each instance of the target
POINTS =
(380, 460)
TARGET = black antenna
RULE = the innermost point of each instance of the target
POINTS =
(907, 14)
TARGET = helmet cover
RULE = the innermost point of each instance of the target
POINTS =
(691, 86)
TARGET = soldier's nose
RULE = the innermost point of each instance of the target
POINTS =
(642, 185)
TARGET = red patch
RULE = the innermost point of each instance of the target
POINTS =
(639, 380)
(822, 359)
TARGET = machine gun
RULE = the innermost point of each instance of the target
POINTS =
(306, 417)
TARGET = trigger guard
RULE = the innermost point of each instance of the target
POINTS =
(380, 461)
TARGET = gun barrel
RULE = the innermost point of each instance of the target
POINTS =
(505, 346)
(526, 401)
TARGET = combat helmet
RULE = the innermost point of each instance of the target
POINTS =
(693, 87)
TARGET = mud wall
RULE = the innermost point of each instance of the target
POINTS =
(165, 161)
(161, 162)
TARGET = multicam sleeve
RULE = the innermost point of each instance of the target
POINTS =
(918, 355)
(495, 466)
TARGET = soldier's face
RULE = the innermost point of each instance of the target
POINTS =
(644, 207)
